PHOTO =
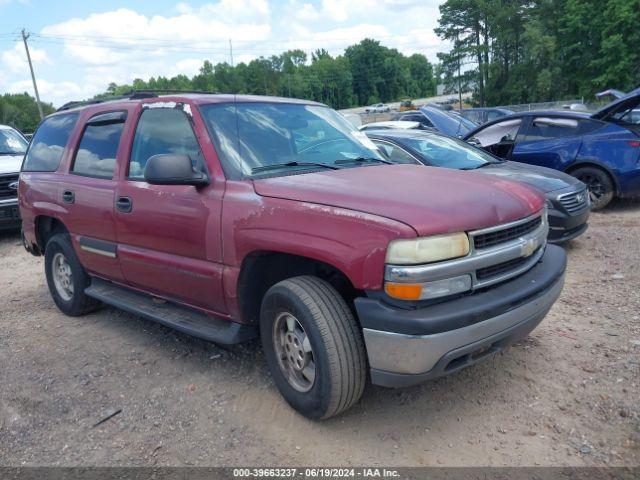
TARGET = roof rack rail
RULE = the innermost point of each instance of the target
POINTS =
(136, 94)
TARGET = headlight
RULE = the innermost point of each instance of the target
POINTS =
(427, 249)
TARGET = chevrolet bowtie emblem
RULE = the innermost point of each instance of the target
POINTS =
(13, 186)
(528, 247)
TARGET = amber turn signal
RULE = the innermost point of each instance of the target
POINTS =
(403, 291)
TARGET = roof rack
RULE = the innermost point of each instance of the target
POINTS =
(132, 95)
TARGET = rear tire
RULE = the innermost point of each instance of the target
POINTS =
(313, 346)
(66, 277)
(599, 184)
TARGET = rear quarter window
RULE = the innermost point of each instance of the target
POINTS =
(48, 143)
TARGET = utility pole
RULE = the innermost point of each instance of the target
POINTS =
(231, 51)
(25, 35)
(459, 81)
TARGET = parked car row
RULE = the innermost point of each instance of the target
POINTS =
(352, 255)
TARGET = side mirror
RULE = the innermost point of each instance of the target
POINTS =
(173, 169)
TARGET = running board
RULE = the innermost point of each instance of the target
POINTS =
(183, 319)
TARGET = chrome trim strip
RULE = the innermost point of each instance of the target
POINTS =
(523, 246)
(9, 201)
(505, 226)
(415, 354)
(98, 252)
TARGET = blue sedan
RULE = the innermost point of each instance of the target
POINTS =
(602, 150)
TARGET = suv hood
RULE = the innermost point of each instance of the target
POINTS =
(542, 178)
(429, 199)
(10, 164)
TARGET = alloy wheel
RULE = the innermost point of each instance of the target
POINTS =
(294, 352)
(62, 276)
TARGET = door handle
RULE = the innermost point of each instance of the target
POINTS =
(124, 204)
(68, 196)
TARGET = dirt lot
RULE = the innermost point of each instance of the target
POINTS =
(568, 395)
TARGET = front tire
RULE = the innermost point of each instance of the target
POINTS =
(599, 184)
(66, 277)
(313, 346)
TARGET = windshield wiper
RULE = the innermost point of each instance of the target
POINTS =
(342, 161)
(275, 166)
(478, 166)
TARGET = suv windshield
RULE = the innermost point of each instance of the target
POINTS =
(12, 143)
(441, 151)
(256, 138)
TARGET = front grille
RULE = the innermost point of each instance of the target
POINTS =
(5, 181)
(486, 240)
(500, 268)
(573, 202)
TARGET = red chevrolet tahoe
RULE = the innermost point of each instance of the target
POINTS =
(230, 217)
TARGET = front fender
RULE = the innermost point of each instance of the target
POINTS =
(353, 242)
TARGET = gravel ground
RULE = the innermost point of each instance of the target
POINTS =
(567, 395)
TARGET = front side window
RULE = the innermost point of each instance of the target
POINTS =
(48, 143)
(96, 155)
(503, 132)
(253, 138)
(163, 131)
(11, 142)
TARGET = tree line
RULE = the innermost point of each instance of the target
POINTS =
(20, 110)
(519, 51)
(366, 73)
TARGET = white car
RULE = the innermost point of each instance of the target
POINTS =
(377, 108)
(12, 148)
(391, 125)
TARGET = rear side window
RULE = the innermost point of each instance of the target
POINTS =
(160, 131)
(551, 127)
(48, 143)
(96, 155)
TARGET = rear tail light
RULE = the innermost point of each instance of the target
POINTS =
(634, 143)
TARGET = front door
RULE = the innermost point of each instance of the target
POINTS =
(169, 240)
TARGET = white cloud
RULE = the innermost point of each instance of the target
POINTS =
(15, 59)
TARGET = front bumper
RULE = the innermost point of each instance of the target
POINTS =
(565, 226)
(406, 347)
(9, 214)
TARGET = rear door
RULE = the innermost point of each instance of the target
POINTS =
(169, 239)
(87, 193)
(548, 141)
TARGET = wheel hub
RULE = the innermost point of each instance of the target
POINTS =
(62, 276)
(293, 350)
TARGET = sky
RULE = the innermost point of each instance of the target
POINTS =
(78, 47)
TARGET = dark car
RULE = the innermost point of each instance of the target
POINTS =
(567, 198)
(480, 116)
(438, 119)
(601, 149)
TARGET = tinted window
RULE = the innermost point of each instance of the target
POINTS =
(545, 127)
(11, 142)
(160, 131)
(502, 132)
(49, 141)
(394, 153)
(96, 155)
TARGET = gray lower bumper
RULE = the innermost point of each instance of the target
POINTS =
(398, 359)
